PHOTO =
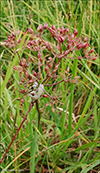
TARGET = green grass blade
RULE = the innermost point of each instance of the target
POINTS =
(91, 166)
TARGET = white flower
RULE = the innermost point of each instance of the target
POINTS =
(36, 95)
(35, 85)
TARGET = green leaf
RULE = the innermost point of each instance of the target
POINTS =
(86, 145)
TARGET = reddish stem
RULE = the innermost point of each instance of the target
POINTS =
(16, 133)
(54, 83)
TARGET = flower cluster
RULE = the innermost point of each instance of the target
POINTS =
(11, 41)
(47, 56)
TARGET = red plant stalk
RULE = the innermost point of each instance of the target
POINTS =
(31, 105)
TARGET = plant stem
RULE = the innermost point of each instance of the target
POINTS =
(37, 107)
(31, 105)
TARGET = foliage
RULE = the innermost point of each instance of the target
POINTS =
(45, 59)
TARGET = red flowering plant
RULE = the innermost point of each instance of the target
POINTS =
(48, 55)
(43, 69)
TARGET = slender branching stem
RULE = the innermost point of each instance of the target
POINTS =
(54, 83)
(30, 107)
(37, 107)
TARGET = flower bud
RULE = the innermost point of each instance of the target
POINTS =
(51, 30)
(79, 45)
(22, 101)
(50, 65)
(95, 57)
(40, 28)
(31, 38)
(31, 81)
(41, 59)
(20, 83)
(12, 35)
(26, 74)
(75, 32)
(30, 30)
(8, 39)
(45, 26)
(92, 50)
(44, 95)
(12, 42)
(43, 48)
(58, 28)
(67, 30)
(46, 69)
(24, 60)
(7, 44)
(76, 77)
(14, 67)
(68, 46)
(60, 69)
(31, 59)
(72, 36)
(50, 58)
(85, 39)
(54, 98)
(68, 69)
(19, 40)
(39, 41)
(84, 45)
(28, 47)
(34, 73)
(47, 104)
(53, 27)
(61, 39)
(23, 91)
(13, 38)
(25, 65)
(23, 80)
(61, 30)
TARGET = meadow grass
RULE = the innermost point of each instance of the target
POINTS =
(68, 139)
